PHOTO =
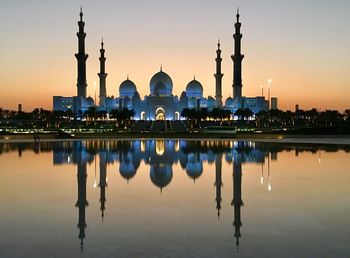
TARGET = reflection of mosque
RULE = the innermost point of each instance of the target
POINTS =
(159, 155)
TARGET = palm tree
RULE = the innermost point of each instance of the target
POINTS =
(240, 114)
(247, 113)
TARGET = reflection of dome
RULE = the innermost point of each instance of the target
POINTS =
(194, 89)
(229, 157)
(127, 170)
(161, 175)
(127, 88)
(229, 102)
(166, 83)
(194, 169)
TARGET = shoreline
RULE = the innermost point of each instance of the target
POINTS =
(297, 139)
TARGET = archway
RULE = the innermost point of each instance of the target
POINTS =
(177, 116)
(160, 114)
(143, 115)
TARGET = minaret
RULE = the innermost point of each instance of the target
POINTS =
(218, 182)
(82, 202)
(237, 198)
(237, 60)
(102, 74)
(218, 78)
(81, 58)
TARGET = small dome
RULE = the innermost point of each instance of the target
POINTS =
(165, 79)
(90, 101)
(211, 102)
(127, 88)
(229, 102)
(194, 89)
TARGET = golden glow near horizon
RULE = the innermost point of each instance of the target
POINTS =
(305, 53)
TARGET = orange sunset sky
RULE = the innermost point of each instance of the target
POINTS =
(303, 46)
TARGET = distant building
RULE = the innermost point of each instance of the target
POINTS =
(160, 104)
(274, 103)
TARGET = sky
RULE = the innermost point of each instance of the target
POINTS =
(303, 46)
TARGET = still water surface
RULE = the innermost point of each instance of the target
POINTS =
(168, 198)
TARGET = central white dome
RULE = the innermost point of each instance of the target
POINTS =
(161, 78)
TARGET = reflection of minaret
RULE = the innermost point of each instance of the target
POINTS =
(237, 60)
(262, 173)
(81, 58)
(102, 74)
(218, 182)
(103, 182)
(82, 202)
(218, 78)
(237, 198)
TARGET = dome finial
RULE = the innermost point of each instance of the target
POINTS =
(219, 44)
(194, 77)
(237, 15)
(102, 43)
(127, 76)
(161, 67)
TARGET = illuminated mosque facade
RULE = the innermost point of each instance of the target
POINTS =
(161, 103)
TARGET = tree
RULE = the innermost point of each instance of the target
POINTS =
(240, 114)
(122, 116)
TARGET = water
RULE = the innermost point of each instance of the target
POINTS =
(169, 198)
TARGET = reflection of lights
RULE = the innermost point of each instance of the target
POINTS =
(143, 146)
(177, 146)
(95, 183)
(269, 187)
(319, 157)
(106, 179)
(262, 180)
(160, 147)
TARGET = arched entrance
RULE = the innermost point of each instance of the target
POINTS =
(160, 114)
(177, 116)
(143, 115)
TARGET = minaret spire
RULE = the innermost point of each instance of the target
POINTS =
(103, 182)
(102, 74)
(218, 77)
(237, 60)
(81, 58)
(237, 202)
(81, 13)
(218, 182)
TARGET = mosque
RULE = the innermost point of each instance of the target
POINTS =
(161, 103)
